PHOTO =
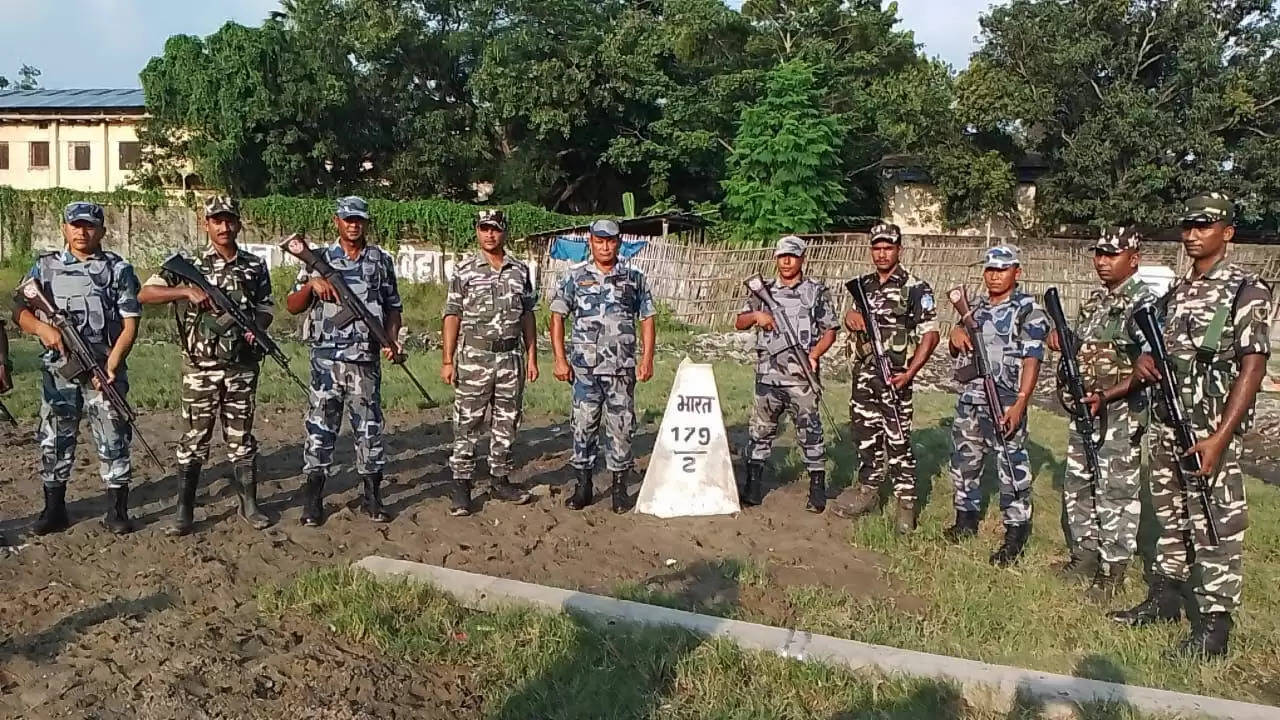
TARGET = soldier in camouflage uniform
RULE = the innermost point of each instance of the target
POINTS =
(490, 309)
(6, 373)
(345, 366)
(605, 297)
(1216, 326)
(99, 292)
(220, 377)
(1013, 329)
(906, 314)
(1102, 521)
(781, 383)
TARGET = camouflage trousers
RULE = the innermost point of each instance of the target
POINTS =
(210, 394)
(62, 404)
(1105, 518)
(1184, 537)
(973, 438)
(358, 386)
(801, 401)
(614, 397)
(486, 383)
(883, 455)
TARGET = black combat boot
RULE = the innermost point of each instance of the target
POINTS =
(117, 518)
(1107, 581)
(866, 497)
(371, 503)
(1162, 604)
(503, 489)
(247, 487)
(582, 489)
(817, 491)
(184, 515)
(1211, 638)
(1084, 563)
(54, 516)
(752, 492)
(1015, 539)
(621, 503)
(313, 499)
(966, 526)
(461, 505)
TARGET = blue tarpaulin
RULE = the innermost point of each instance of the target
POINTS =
(574, 249)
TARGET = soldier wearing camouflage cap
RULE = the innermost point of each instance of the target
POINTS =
(1102, 519)
(1217, 326)
(490, 349)
(906, 314)
(221, 369)
(99, 292)
(605, 297)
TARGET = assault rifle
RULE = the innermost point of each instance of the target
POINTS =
(960, 299)
(80, 362)
(229, 310)
(8, 416)
(1085, 423)
(1186, 465)
(878, 350)
(352, 307)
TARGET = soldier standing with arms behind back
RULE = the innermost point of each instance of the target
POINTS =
(490, 309)
(220, 379)
(605, 297)
(907, 314)
(1217, 327)
(1103, 520)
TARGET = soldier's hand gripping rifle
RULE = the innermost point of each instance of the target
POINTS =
(79, 361)
(353, 308)
(1187, 465)
(1087, 426)
(878, 351)
(960, 299)
(760, 289)
(231, 313)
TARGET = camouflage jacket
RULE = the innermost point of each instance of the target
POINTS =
(1109, 339)
(210, 341)
(372, 277)
(1210, 324)
(605, 308)
(97, 293)
(490, 303)
(807, 306)
(905, 310)
(1011, 331)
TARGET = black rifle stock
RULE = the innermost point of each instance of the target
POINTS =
(878, 350)
(79, 359)
(1085, 423)
(960, 299)
(353, 308)
(185, 270)
(1187, 465)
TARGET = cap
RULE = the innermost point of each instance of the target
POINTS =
(495, 218)
(790, 245)
(1209, 208)
(221, 205)
(887, 232)
(605, 228)
(352, 206)
(1117, 240)
(1001, 257)
(91, 212)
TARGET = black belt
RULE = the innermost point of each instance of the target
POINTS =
(506, 345)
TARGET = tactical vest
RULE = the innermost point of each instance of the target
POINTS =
(86, 292)
(1107, 359)
(327, 324)
(899, 335)
(207, 336)
(797, 305)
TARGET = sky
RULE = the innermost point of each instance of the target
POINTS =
(129, 32)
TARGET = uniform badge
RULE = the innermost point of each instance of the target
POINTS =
(589, 282)
(926, 301)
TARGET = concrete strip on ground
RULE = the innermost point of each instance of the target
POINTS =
(999, 683)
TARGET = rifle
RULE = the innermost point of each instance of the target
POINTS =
(861, 300)
(757, 286)
(8, 416)
(1085, 423)
(353, 308)
(1187, 465)
(960, 299)
(227, 308)
(80, 362)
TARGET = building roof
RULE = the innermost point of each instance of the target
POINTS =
(77, 100)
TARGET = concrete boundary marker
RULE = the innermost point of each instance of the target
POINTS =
(1001, 683)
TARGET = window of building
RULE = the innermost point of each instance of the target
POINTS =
(4, 156)
(130, 155)
(39, 157)
(77, 156)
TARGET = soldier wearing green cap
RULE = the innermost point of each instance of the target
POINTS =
(1216, 327)
(220, 375)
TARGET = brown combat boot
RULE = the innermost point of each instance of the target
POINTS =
(905, 522)
(865, 499)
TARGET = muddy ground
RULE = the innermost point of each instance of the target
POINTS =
(147, 626)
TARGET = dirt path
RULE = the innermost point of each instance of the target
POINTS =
(147, 626)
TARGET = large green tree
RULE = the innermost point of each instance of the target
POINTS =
(28, 79)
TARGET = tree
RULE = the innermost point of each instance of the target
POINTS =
(784, 172)
(28, 79)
